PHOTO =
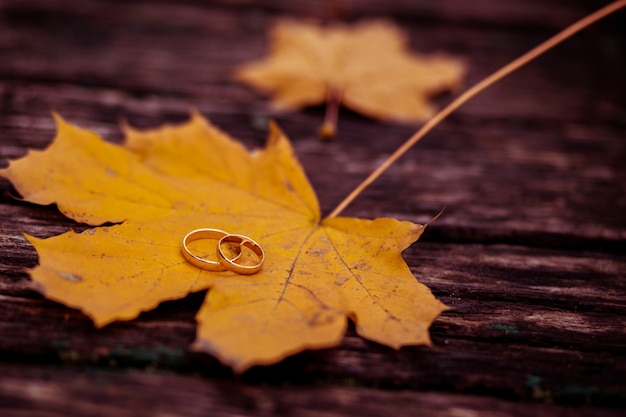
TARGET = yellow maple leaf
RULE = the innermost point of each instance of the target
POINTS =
(166, 182)
(367, 67)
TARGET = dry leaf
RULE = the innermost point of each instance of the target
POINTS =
(367, 67)
(164, 183)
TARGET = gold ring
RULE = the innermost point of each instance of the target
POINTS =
(242, 241)
(197, 261)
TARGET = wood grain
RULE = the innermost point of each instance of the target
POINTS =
(530, 251)
(48, 392)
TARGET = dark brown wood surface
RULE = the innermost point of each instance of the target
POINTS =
(530, 252)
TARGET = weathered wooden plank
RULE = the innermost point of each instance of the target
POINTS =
(126, 58)
(522, 185)
(190, 14)
(117, 46)
(50, 392)
(557, 320)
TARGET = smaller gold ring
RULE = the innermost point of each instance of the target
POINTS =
(242, 241)
(197, 261)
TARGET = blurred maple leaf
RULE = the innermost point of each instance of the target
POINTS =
(367, 67)
(166, 182)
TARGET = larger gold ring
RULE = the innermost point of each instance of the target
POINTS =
(241, 240)
(197, 261)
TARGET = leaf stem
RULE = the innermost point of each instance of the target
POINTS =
(477, 88)
(329, 128)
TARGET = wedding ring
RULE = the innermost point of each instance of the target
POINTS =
(241, 241)
(202, 263)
